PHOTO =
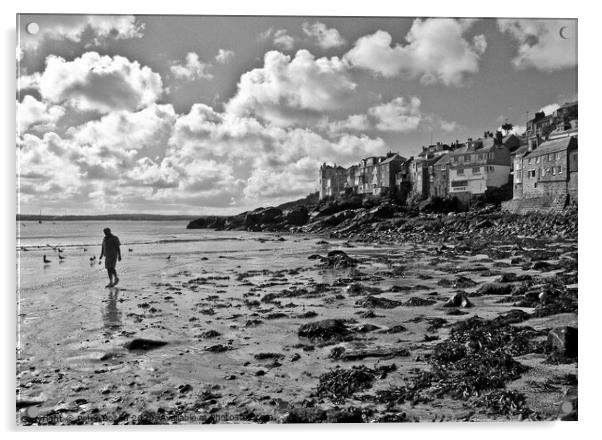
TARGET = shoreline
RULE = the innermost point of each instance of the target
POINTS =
(385, 305)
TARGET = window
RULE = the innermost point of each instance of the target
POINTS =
(491, 155)
(476, 170)
(491, 168)
(480, 156)
(558, 155)
(467, 158)
(460, 171)
(538, 159)
(553, 171)
(547, 157)
(529, 162)
(560, 169)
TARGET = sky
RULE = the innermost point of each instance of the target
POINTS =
(217, 115)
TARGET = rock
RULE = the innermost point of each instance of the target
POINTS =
(569, 406)
(343, 354)
(210, 334)
(419, 302)
(268, 356)
(458, 300)
(143, 344)
(513, 316)
(340, 260)
(217, 348)
(493, 289)
(373, 302)
(297, 216)
(394, 329)
(564, 341)
(326, 329)
(366, 328)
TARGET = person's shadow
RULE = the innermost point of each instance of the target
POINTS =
(112, 316)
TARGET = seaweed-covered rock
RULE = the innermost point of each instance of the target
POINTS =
(374, 302)
(493, 289)
(326, 329)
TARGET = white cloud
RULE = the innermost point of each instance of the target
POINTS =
(436, 52)
(75, 27)
(321, 35)
(448, 126)
(192, 69)
(224, 55)
(28, 81)
(31, 113)
(147, 131)
(287, 90)
(351, 123)
(540, 45)
(100, 83)
(397, 115)
(549, 109)
(283, 40)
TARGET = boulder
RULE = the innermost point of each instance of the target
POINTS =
(458, 300)
(563, 341)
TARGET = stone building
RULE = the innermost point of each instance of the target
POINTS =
(439, 176)
(332, 180)
(549, 174)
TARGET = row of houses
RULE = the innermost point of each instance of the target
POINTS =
(541, 164)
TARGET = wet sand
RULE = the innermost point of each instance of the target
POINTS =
(233, 352)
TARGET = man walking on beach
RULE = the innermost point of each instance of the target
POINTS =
(112, 254)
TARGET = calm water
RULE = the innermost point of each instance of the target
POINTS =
(145, 248)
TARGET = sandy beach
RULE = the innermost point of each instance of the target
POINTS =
(222, 332)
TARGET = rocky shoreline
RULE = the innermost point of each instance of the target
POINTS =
(468, 316)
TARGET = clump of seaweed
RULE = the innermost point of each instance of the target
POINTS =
(340, 383)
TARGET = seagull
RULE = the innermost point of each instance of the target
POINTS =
(93, 258)
(169, 257)
(60, 250)
(46, 260)
(24, 249)
(85, 250)
(130, 250)
(61, 257)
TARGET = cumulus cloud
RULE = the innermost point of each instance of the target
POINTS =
(32, 113)
(75, 27)
(146, 131)
(397, 115)
(324, 37)
(224, 55)
(283, 40)
(540, 45)
(191, 69)
(286, 90)
(437, 52)
(99, 83)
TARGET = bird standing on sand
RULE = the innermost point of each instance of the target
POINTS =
(61, 257)
(169, 257)
(130, 250)
(46, 260)
(92, 259)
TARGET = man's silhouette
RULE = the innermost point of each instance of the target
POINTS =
(112, 254)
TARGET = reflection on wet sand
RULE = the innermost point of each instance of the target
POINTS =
(112, 316)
